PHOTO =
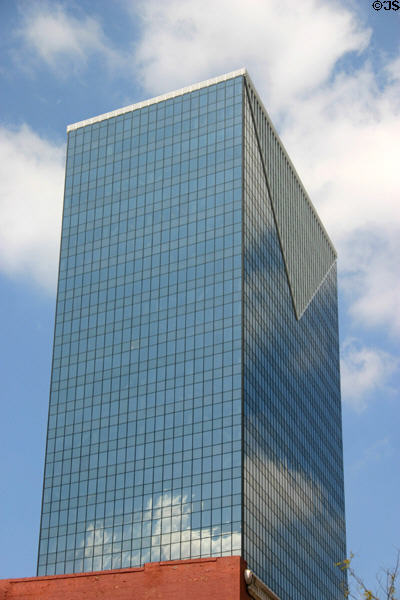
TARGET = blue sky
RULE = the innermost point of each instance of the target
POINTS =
(329, 74)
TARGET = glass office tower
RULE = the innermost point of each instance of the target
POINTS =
(195, 398)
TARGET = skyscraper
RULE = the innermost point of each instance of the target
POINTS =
(195, 397)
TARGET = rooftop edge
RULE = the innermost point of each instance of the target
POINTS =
(156, 99)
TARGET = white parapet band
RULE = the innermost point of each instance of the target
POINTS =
(174, 94)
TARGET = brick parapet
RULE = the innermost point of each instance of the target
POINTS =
(221, 578)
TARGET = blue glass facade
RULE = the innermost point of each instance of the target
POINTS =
(293, 475)
(192, 413)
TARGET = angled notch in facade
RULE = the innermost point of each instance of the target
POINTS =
(307, 250)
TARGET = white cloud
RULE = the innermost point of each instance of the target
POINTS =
(393, 69)
(343, 139)
(61, 39)
(363, 371)
(31, 184)
(168, 525)
(289, 48)
(341, 127)
(370, 277)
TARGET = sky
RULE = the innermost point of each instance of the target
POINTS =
(329, 74)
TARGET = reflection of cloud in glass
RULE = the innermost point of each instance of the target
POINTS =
(168, 528)
(303, 497)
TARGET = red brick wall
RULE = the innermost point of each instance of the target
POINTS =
(201, 579)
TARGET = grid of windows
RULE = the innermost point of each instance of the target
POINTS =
(192, 412)
(143, 457)
(293, 478)
(300, 230)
